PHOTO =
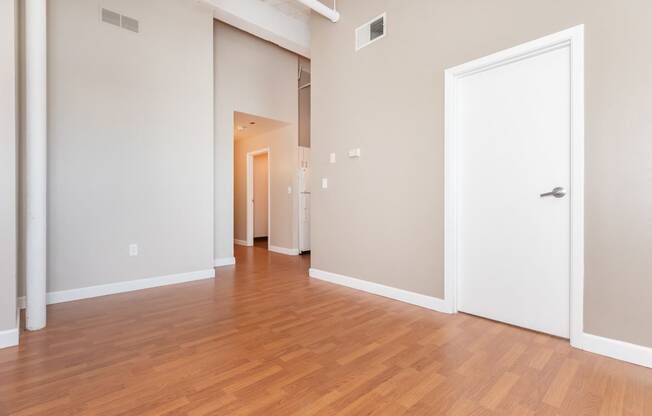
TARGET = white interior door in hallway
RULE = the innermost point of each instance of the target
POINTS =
(513, 123)
(261, 198)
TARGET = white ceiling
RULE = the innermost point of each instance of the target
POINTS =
(249, 125)
(291, 8)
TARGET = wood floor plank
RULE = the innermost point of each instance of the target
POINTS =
(499, 390)
(264, 339)
(561, 384)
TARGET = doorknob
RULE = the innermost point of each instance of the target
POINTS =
(558, 192)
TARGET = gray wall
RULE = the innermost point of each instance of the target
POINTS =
(382, 217)
(255, 77)
(130, 142)
(8, 129)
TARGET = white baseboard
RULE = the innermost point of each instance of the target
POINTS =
(283, 250)
(121, 287)
(412, 298)
(9, 338)
(620, 350)
(241, 243)
(225, 261)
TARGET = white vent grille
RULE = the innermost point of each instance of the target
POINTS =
(110, 17)
(119, 20)
(370, 32)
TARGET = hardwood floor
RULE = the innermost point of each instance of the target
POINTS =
(260, 242)
(264, 339)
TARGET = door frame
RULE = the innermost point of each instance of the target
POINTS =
(574, 39)
(250, 194)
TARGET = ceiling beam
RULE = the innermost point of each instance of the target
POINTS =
(266, 22)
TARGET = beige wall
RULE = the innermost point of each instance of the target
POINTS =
(283, 157)
(255, 77)
(382, 217)
(130, 139)
(261, 204)
(8, 164)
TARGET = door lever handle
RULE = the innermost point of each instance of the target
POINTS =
(558, 192)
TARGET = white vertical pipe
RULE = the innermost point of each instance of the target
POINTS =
(322, 9)
(36, 161)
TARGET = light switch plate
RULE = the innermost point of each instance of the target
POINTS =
(133, 250)
(354, 153)
(324, 183)
(333, 158)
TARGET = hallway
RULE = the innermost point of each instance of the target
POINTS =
(264, 339)
(261, 242)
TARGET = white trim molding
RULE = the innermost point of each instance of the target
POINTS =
(241, 243)
(226, 261)
(122, 287)
(9, 338)
(424, 301)
(620, 350)
(574, 39)
(283, 250)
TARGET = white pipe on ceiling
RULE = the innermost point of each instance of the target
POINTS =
(322, 9)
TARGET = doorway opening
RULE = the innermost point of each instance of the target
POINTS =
(258, 207)
(265, 183)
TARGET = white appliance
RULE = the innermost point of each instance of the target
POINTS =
(304, 199)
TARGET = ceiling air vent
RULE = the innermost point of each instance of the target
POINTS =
(370, 32)
(110, 17)
(119, 20)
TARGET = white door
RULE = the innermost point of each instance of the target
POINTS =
(513, 123)
(261, 197)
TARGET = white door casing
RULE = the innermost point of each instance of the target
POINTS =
(514, 130)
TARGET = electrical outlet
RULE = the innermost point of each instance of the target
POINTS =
(133, 250)
(333, 158)
(324, 183)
